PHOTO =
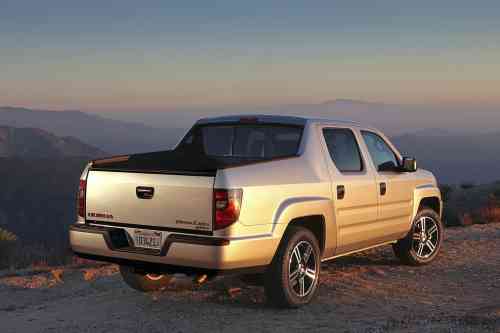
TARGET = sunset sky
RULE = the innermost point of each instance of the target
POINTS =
(157, 55)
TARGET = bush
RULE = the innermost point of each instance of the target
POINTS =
(466, 219)
(28, 254)
(7, 247)
(496, 194)
(467, 186)
(7, 236)
(451, 217)
(446, 191)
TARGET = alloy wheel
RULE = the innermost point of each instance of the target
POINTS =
(302, 270)
(425, 237)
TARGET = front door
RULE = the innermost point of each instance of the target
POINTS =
(395, 188)
(354, 190)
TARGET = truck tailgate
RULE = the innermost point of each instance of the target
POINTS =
(165, 201)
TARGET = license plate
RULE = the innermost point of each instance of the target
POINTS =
(147, 239)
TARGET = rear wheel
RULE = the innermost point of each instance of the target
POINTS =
(423, 242)
(144, 281)
(292, 278)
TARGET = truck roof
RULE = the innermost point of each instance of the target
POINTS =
(281, 119)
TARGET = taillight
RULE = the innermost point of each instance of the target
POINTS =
(80, 203)
(227, 205)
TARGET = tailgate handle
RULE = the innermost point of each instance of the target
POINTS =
(144, 192)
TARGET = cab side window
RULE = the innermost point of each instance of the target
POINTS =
(381, 153)
(343, 149)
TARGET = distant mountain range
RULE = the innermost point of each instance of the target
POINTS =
(112, 136)
(455, 155)
(455, 158)
(35, 143)
(393, 119)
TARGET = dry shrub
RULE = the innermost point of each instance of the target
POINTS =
(7, 236)
(489, 214)
(39, 265)
(90, 274)
(495, 215)
(7, 247)
(33, 282)
(466, 219)
(77, 261)
(485, 211)
(57, 274)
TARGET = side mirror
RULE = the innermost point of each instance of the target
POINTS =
(409, 164)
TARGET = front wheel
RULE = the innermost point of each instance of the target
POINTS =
(143, 281)
(292, 278)
(423, 242)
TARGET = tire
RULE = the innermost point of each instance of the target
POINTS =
(288, 283)
(420, 248)
(143, 281)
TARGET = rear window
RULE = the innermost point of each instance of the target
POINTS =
(246, 141)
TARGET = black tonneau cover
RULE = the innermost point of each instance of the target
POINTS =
(171, 162)
(189, 157)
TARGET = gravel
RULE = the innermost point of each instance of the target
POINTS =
(366, 292)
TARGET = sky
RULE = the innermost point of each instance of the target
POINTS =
(160, 55)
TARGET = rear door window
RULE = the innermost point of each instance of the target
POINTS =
(343, 149)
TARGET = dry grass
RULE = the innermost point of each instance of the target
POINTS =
(33, 282)
(91, 274)
(43, 276)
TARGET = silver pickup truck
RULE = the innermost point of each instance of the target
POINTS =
(269, 197)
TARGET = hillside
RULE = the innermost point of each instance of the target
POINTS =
(38, 203)
(455, 155)
(455, 158)
(393, 119)
(39, 173)
(37, 143)
(112, 136)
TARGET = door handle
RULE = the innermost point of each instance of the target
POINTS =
(144, 192)
(383, 188)
(340, 192)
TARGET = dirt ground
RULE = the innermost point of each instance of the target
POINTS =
(368, 292)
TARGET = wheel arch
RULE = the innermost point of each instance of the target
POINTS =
(427, 196)
(313, 213)
(430, 202)
(315, 224)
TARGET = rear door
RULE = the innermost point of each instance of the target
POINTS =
(157, 201)
(395, 189)
(353, 188)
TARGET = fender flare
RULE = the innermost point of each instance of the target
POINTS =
(294, 208)
(426, 191)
